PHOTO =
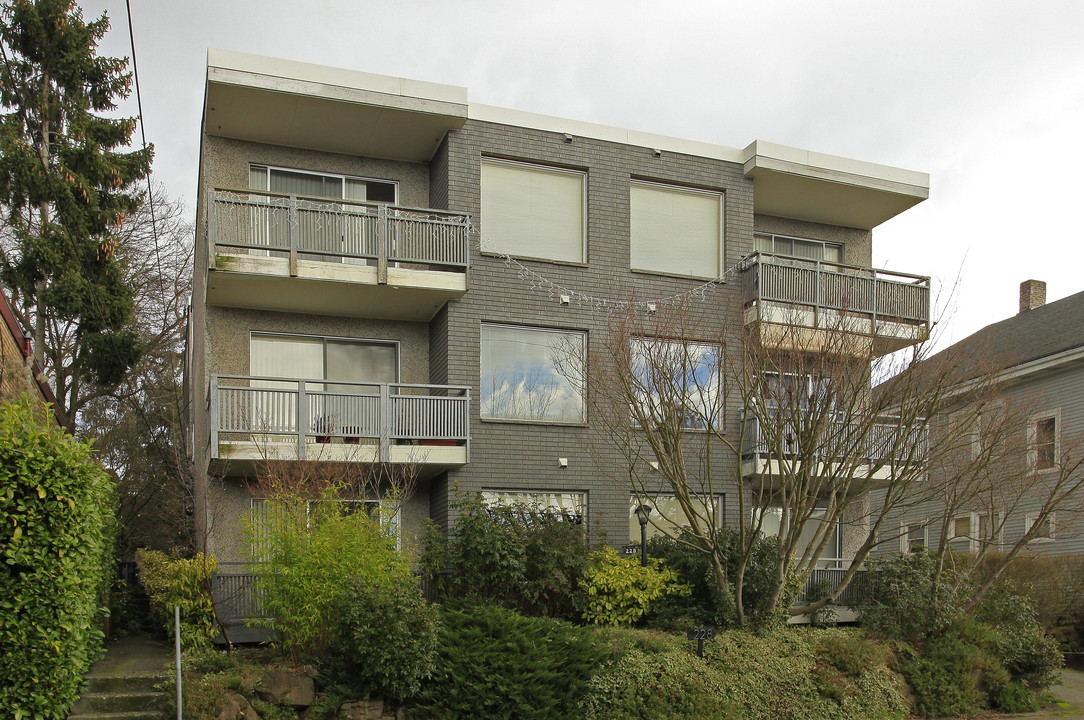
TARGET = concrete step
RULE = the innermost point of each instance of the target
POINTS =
(93, 702)
(129, 715)
(143, 682)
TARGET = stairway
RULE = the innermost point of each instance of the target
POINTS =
(121, 685)
(122, 698)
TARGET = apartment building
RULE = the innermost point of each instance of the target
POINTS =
(1020, 383)
(385, 272)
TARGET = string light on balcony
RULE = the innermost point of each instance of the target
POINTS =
(557, 292)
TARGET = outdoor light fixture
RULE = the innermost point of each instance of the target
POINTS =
(642, 511)
(656, 152)
(562, 462)
(566, 299)
(652, 308)
(568, 138)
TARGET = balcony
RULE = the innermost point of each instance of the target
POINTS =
(875, 449)
(254, 419)
(828, 307)
(269, 251)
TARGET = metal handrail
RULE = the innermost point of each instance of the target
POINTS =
(823, 285)
(337, 229)
(307, 409)
(875, 446)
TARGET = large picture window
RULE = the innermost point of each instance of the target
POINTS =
(318, 358)
(676, 231)
(798, 247)
(668, 518)
(567, 506)
(533, 211)
(679, 383)
(527, 374)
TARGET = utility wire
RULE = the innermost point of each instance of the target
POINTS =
(143, 135)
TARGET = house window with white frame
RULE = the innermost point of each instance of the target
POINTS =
(913, 537)
(678, 383)
(533, 211)
(1045, 531)
(667, 517)
(530, 374)
(676, 230)
(1043, 440)
(565, 506)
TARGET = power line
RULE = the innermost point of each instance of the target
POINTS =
(143, 135)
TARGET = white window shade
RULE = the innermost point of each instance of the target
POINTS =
(286, 357)
(532, 211)
(676, 231)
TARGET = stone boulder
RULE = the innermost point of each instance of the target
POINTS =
(238, 708)
(362, 710)
(282, 687)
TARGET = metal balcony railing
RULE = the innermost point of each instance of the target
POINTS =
(276, 410)
(818, 286)
(822, 581)
(885, 441)
(255, 222)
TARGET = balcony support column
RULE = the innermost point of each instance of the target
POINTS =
(293, 231)
(213, 407)
(386, 415)
(302, 417)
(382, 244)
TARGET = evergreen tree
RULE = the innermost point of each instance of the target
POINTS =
(67, 185)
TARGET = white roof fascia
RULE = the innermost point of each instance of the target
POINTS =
(832, 168)
(520, 118)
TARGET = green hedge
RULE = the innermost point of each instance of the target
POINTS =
(56, 551)
(186, 582)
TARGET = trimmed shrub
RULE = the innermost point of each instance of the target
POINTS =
(1021, 643)
(770, 677)
(522, 558)
(385, 641)
(493, 663)
(618, 590)
(186, 582)
(56, 509)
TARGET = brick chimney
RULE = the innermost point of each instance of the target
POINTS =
(1032, 295)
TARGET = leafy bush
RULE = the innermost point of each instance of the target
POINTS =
(185, 582)
(946, 677)
(706, 604)
(385, 641)
(493, 663)
(619, 590)
(908, 600)
(313, 555)
(743, 675)
(522, 558)
(1021, 643)
(55, 562)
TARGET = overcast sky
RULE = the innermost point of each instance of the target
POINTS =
(986, 96)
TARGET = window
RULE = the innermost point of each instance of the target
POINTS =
(527, 374)
(533, 211)
(568, 506)
(1043, 439)
(794, 391)
(679, 383)
(336, 232)
(772, 523)
(913, 537)
(1045, 532)
(798, 247)
(317, 358)
(267, 514)
(359, 366)
(323, 185)
(961, 528)
(676, 231)
(668, 518)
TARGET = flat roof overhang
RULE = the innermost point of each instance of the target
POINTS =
(281, 102)
(805, 185)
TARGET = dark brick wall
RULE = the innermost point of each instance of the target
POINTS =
(507, 455)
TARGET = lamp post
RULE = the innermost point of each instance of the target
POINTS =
(642, 511)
